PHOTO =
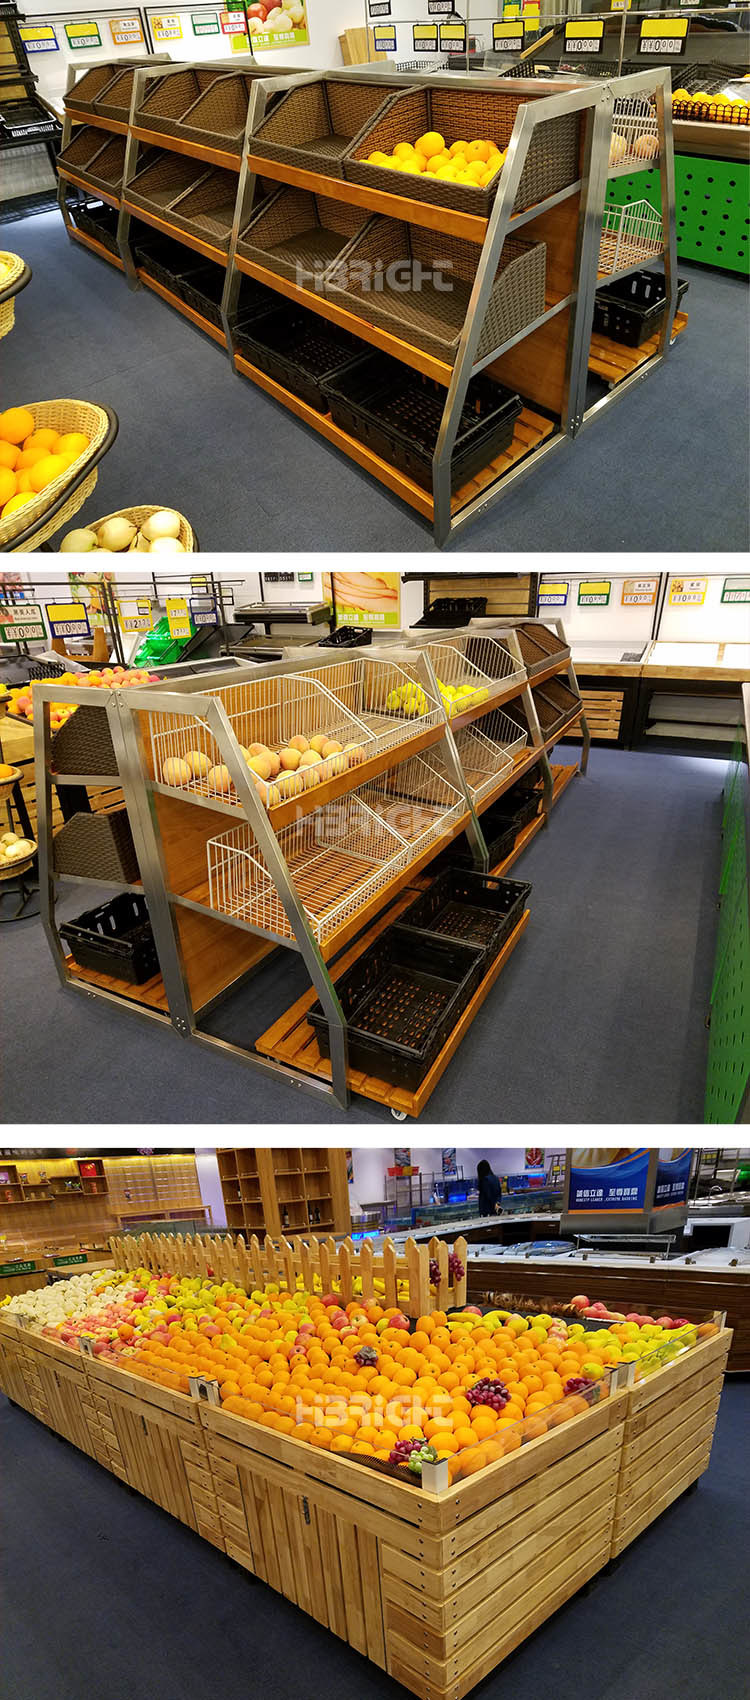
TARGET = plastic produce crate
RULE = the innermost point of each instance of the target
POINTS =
(301, 351)
(633, 310)
(297, 233)
(169, 98)
(453, 611)
(402, 1000)
(465, 114)
(202, 288)
(469, 906)
(315, 125)
(347, 637)
(115, 939)
(97, 220)
(207, 207)
(429, 317)
(96, 846)
(163, 258)
(397, 414)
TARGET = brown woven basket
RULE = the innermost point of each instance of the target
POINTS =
(83, 148)
(315, 125)
(137, 516)
(164, 179)
(463, 115)
(207, 208)
(84, 744)
(90, 87)
(432, 318)
(219, 115)
(59, 416)
(106, 171)
(295, 231)
(168, 98)
(96, 846)
(114, 102)
(16, 279)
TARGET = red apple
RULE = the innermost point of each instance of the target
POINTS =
(580, 1301)
(258, 11)
(664, 1322)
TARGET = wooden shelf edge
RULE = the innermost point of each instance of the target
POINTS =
(92, 189)
(118, 126)
(193, 150)
(96, 248)
(183, 308)
(190, 241)
(471, 227)
(615, 361)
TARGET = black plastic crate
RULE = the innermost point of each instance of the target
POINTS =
(633, 310)
(96, 219)
(469, 906)
(347, 637)
(115, 939)
(301, 351)
(163, 259)
(453, 611)
(202, 288)
(402, 1000)
(397, 414)
(253, 302)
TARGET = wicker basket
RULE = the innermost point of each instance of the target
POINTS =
(18, 277)
(315, 126)
(219, 115)
(11, 870)
(157, 185)
(167, 99)
(100, 426)
(552, 162)
(83, 744)
(430, 318)
(207, 208)
(115, 100)
(96, 846)
(106, 170)
(6, 785)
(137, 516)
(297, 232)
(90, 87)
(83, 148)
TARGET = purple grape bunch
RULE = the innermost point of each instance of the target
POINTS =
(455, 1269)
(402, 1451)
(489, 1392)
(578, 1384)
(366, 1357)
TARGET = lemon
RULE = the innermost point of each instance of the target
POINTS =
(403, 150)
(430, 143)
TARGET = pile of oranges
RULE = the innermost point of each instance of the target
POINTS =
(30, 459)
(473, 163)
(352, 1379)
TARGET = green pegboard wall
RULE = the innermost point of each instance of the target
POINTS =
(711, 200)
(733, 892)
(729, 1037)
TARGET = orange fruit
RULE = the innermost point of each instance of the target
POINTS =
(16, 424)
(75, 443)
(464, 1436)
(16, 502)
(363, 1447)
(445, 1444)
(45, 439)
(341, 1443)
(46, 468)
(9, 455)
(8, 485)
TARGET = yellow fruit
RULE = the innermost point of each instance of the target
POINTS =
(45, 439)
(447, 172)
(8, 485)
(16, 423)
(16, 502)
(29, 456)
(430, 143)
(403, 150)
(458, 147)
(475, 170)
(49, 467)
(9, 455)
(416, 163)
(378, 158)
(681, 94)
(74, 443)
(23, 480)
(478, 151)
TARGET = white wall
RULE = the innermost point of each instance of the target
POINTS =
(713, 622)
(207, 1165)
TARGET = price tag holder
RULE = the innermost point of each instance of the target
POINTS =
(203, 611)
(379, 8)
(125, 31)
(205, 23)
(688, 592)
(584, 36)
(68, 619)
(86, 1345)
(168, 27)
(41, 40)
(82, 35)
(594, 593)
(507, 35)
(554, 595)
(202, 1388)
(178, 617)
(663, 35)
(23, 623)
(385, 38)
(452, 38)
(639, 592)
(736, 590)
(425, 38)
(440, 8)
(134, 614)
(233, 23)
(619, 5)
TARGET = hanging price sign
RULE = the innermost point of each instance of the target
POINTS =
(83, 35)
(507, 36)
(385, 38)
(452, 38)
(425, 38)
(736, 590)
(594, 593)
(167, 27)
(584, 36)
(687, 592)
(233, 23)
(22, 624)
(663, 35)
(554, 595)
(639, 592)
(619, 5)
(41, 40)
(379, 8)
(178, 617)
(134, 614)
(126, 31)
(203, 611)
(440, 8)
(68, 619)
(204, 23)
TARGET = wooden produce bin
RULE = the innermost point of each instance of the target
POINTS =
(153, 1440)
(19, 1375)
(436, 1589)
(668, 1433)
(63, 1381)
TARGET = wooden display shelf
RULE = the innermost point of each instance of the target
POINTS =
(530, 430)
(183, 308)
(152, 993)
(194, 150)
(190, 241)
(92, 189)
(118, 126)
(614, 361)
(293, 1039)
(104, 254)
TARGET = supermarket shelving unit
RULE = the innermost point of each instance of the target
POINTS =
(68, 179)
(227, 879)
(284, 1191)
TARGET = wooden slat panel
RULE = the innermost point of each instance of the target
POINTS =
(331, 1567)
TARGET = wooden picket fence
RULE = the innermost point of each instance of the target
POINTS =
(324, 1265)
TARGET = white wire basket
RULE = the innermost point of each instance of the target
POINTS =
(471, 669)
(631, 236)
(392, 699)
(486, 752)
(634, 142)
(416, 800)
(264, 714)
(338, 858)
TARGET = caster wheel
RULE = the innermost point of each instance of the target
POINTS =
(399, 1115)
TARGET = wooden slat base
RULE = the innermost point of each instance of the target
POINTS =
(152, 993)
(615, 361)
(603, 712)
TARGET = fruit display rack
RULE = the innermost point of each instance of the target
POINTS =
(289, 201)
(81, 109)
(379, 771)
(398, 1565)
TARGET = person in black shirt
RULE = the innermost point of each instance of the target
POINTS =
(490, 1190)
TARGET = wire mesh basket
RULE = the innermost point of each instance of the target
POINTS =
(486, 752)
(276, 715)
(389, 698)
(415, 800)
(315, 125)
(471, 670)
(634, 142)
(338, 859)
(631, 235)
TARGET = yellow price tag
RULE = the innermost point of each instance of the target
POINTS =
(178, 617)
(594, 592)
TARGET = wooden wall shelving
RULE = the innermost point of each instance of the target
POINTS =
(285, 1191)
